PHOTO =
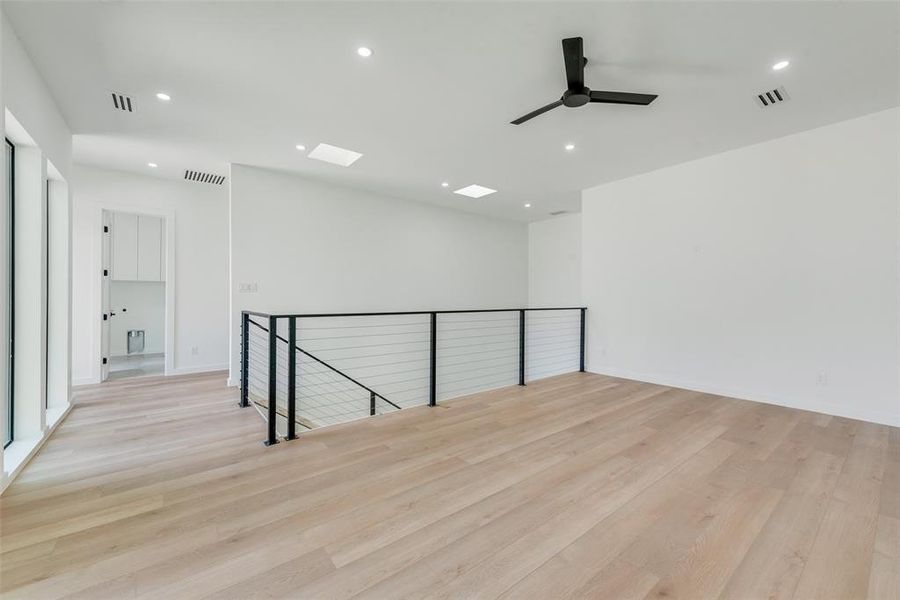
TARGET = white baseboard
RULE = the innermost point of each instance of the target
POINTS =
(818, 406)
(177, 371)
(198, 369)
(7, 478)
(137, 355)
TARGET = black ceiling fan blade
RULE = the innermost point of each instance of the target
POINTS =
(537, 112)
(622, 98)
(573, 54)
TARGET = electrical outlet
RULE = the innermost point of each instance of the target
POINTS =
(248, 288)
(195, 350)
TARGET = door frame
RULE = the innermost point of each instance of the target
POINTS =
(105, 278)
(168, 217)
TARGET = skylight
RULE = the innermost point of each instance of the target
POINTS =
(334, 155)
(474, 191)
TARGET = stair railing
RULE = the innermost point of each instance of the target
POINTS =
(485, 346)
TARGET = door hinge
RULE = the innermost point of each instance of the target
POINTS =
(105, 316)
(104, 360)
(106, 272)
(106, 229)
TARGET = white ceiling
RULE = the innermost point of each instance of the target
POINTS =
(250, 80)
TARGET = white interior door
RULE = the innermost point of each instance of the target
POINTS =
(104, 295)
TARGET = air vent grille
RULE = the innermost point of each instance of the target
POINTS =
(771, 97)
(558, 212)
(204, 177)
(122, 102)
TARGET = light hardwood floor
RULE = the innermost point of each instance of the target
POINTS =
(576, 486)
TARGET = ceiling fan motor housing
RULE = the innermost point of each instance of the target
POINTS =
(576, 98)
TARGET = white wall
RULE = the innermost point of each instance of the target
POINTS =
(27, 97)
(30, 293)
(59, 266)
(198, 219)
(312, 247)
(554, 261)
(554, 280)
(43, 141)
(144, 304)
(768, 273)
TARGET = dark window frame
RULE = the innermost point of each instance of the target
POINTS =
(11, 286)
(47, 294)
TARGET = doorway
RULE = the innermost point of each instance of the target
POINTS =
(133, 295)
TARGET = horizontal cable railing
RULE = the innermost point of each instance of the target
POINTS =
(328, 395)
(315, 370)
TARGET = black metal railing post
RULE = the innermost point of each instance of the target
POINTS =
(581, 343)
(272, 438)
(432, 398)
(372, 404)
(245, 359)
(521, 347)
(292, 380)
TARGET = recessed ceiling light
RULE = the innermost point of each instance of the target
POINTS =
(334, 155)
(527, 206)
(445, 184)
(780, 65)
(300, 147)
(474, 191)
(152, 165)
(163, 96)
(570, 147)
(364, 52)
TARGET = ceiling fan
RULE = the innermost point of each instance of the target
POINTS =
(577, 94)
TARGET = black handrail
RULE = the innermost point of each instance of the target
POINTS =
(323, 363)
(406, 312)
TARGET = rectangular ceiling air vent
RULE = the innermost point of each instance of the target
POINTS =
(204, 177)
(122, 102)
(776, 96)
(558, 212)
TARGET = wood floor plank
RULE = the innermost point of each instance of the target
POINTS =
(776, 559)
(506, 566)
(704, 569)
(839, 564)
(576, 486)
(577, 569)
(884, 580)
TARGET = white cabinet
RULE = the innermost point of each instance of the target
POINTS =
(124, 246)
(149, 250)
(137, 248)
